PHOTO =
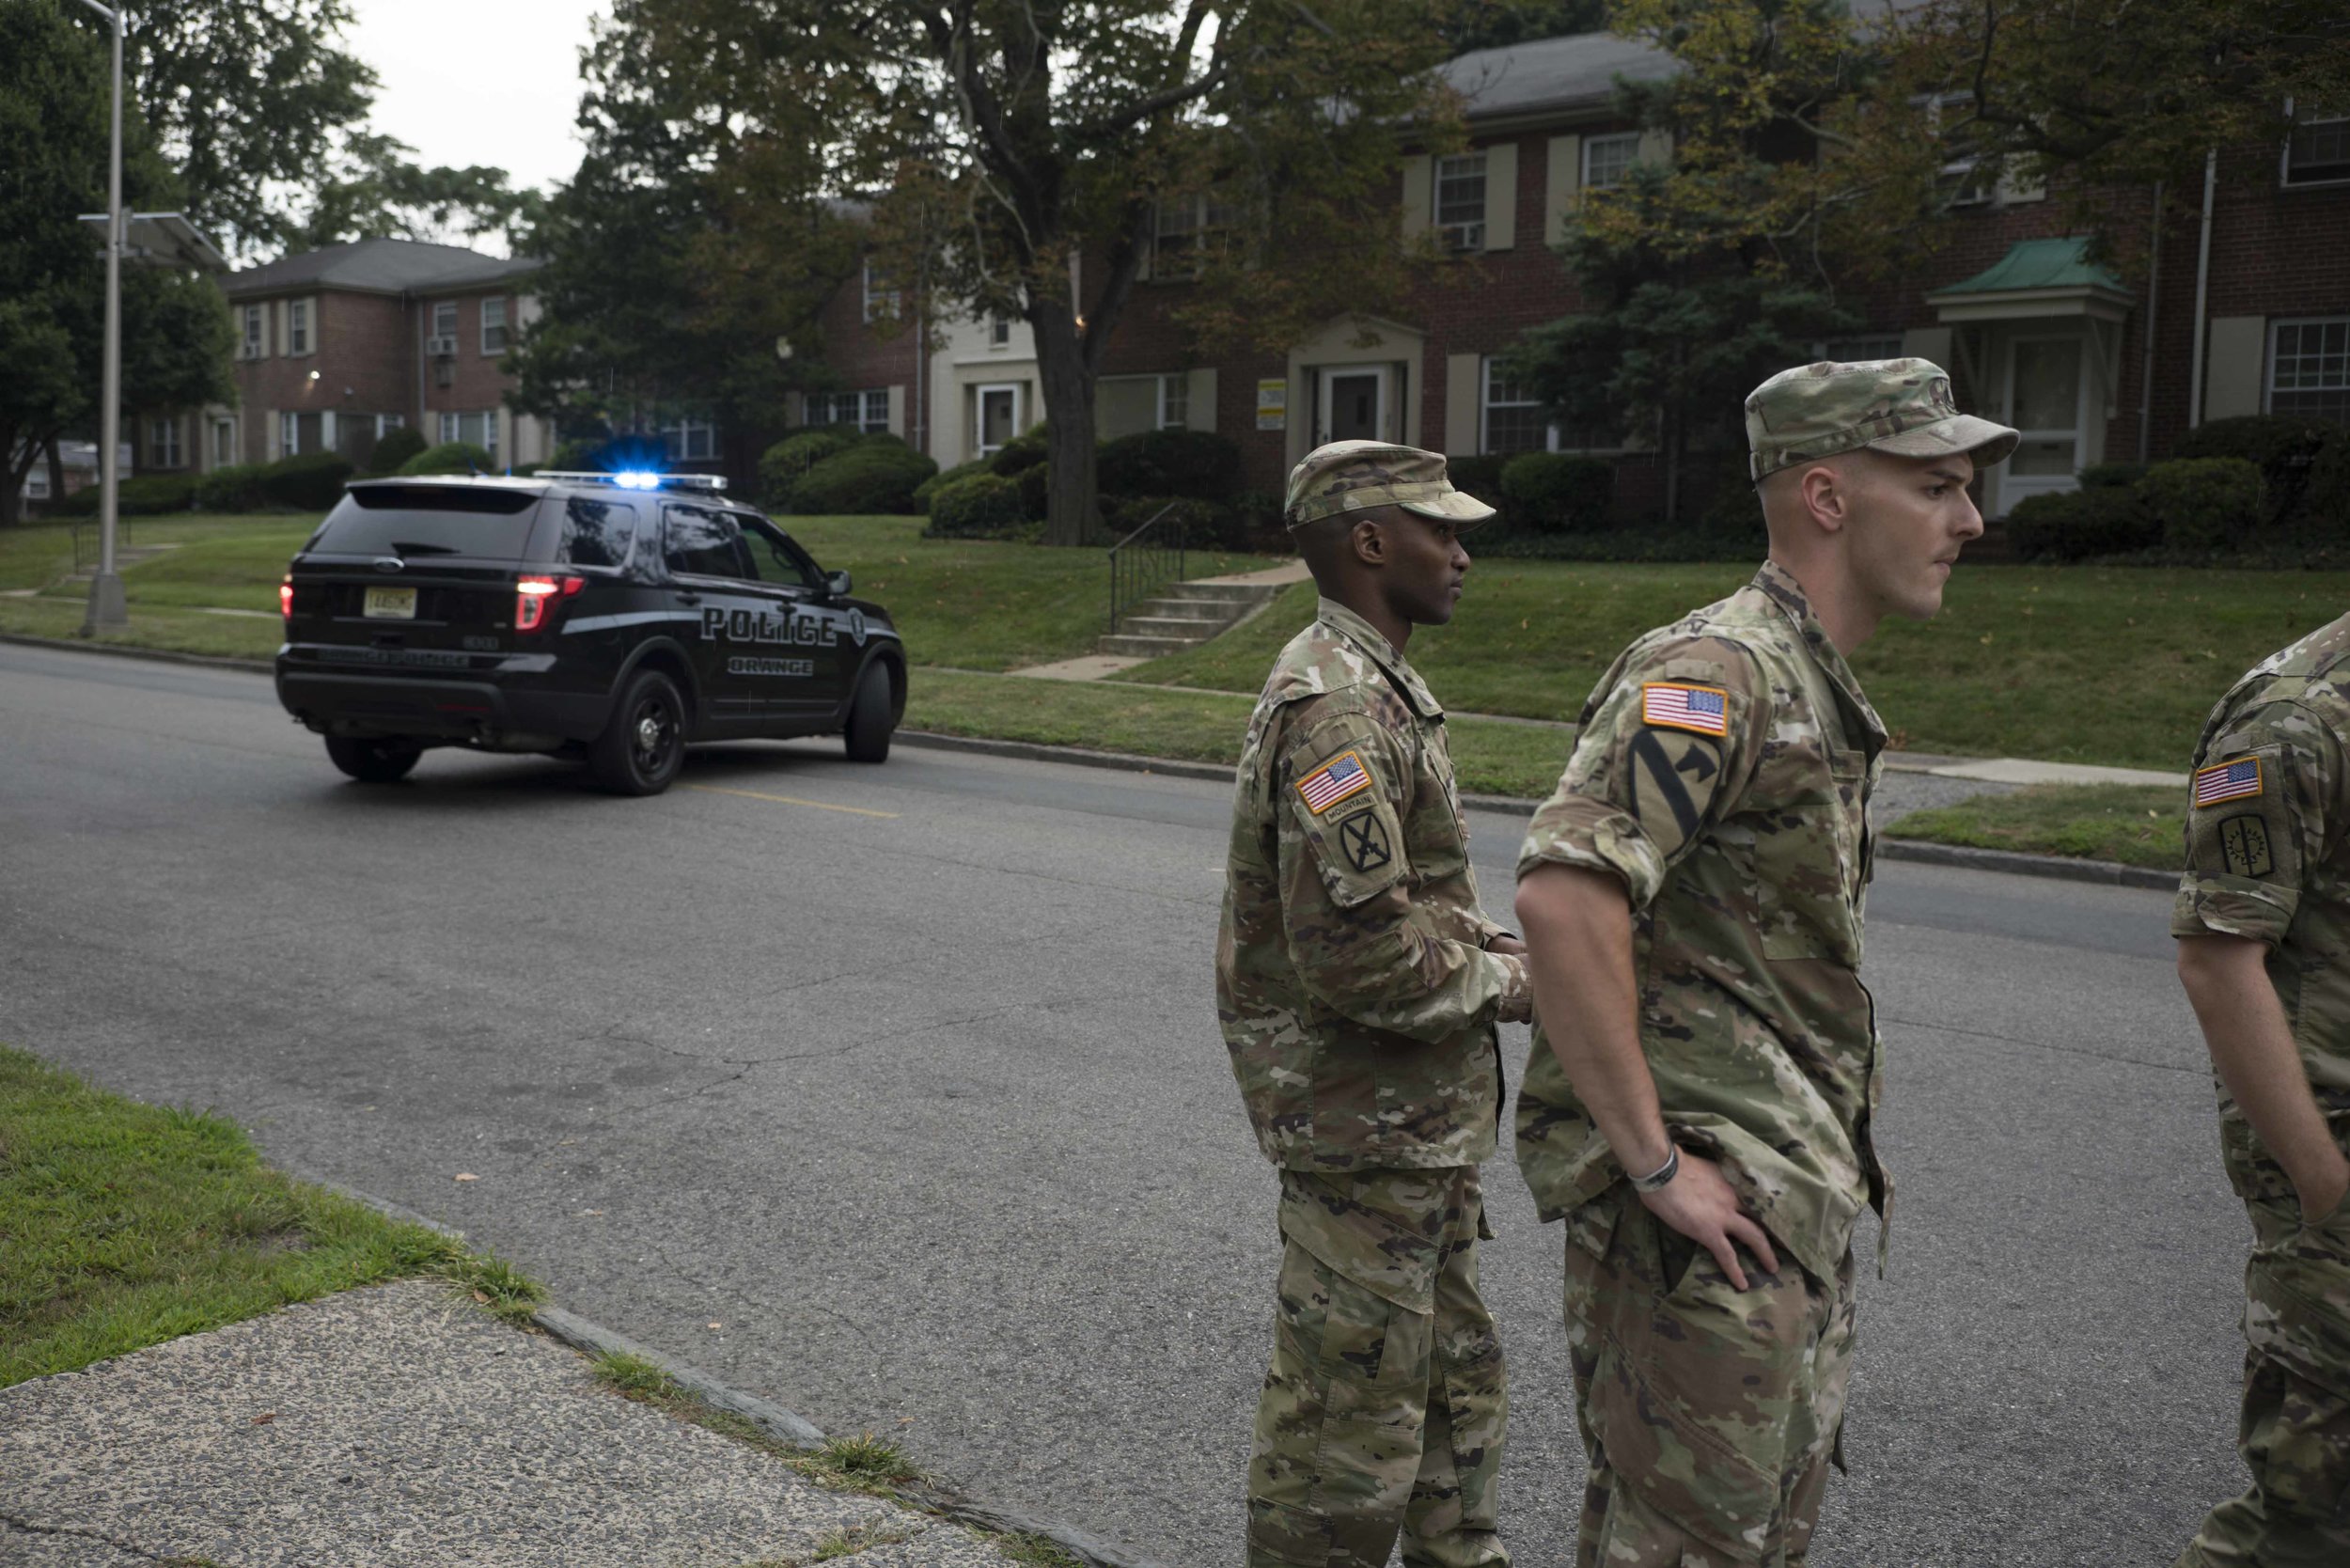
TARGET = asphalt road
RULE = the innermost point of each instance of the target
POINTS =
(895, 1095)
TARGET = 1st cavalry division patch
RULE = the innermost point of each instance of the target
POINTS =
(1670, 705)
(1341, 777)
(2236, 779)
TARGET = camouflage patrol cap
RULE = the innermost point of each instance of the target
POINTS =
(1350, 475)
(1902, 406)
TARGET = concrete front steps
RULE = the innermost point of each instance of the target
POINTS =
(1185, 616)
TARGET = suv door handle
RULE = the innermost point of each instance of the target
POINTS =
(689, 598)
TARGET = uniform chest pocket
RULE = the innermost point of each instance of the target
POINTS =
(1807, 809)
(1434, 835)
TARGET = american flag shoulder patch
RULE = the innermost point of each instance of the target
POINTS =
(1674, 706)
(1341, 777)
(2238, 779)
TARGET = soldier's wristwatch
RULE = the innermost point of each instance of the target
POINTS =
(1656, 1178)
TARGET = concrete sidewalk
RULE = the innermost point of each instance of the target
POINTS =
(398, 1426)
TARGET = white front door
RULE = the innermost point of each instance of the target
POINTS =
(2046, 393)
(1354, 401)
(997, 408)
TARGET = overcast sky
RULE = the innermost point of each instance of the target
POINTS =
(490, 82)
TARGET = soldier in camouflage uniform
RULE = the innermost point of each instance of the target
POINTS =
(1705, 1066)
(1358, 985)
(2262, 919)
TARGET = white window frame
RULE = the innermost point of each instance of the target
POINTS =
(690, 441)
(1325, 389)
(289, 433)
(998, 331)
(1628, 141)
(1175, 401)
(881, 296)
(1458, 233)
(497, 326)
(2295, 123)
(1205, 216)
(2013, 487)
(386, 423)
(224, 441)
(978, 415)
(255, 341)
(162, 443)
(444, 318)
(867, 408)
(2275, 356)
(448, 428)
(297, 329)
(1489, 369)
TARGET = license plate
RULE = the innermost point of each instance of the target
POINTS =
(388, 603)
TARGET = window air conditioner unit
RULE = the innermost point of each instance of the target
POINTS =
(444, 348)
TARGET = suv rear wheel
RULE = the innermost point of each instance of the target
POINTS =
(373, 761)
(643, 746)
(870, 719)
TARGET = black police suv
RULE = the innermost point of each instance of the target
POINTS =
(609, 616)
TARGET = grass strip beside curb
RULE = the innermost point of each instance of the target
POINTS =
(123, 1225)
(2128, 825)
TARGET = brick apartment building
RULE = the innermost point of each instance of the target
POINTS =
(334, 348)
(2090, 368)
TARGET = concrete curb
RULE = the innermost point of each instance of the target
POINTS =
(2058, 868)
(2111, 873)
(161, 655)
(787, 1427)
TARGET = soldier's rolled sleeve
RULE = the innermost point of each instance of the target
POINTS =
(1638, 795)
(1354, 935)
(2246, 856)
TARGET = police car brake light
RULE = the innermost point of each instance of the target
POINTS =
(285, 596)
(533, 595)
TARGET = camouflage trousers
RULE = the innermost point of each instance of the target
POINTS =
(1383, 1410)
(2295, 1432)
(1710, 1416)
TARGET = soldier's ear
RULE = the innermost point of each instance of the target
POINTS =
(1367, 541)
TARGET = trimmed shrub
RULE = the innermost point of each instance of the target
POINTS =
(1018, 455)
(312, 482)
(1206, 525)
(147, 496)
(978, 506)
(1560, 492)
(2111, 475)
(876, 478)
(1036, 490)
(783, 465)
(1195, 463)
(451, 457)
(1259, 512)
(929, 487)
(237, 487)
(2075, 525)
(2202, 503)
(2270, 440)
(396, 448)
(2322, 514)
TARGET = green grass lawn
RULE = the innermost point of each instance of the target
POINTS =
(2065, 664)
(2136, 825)
(123, 1225)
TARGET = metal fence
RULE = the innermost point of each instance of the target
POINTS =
(87, 543)
(1144, 562)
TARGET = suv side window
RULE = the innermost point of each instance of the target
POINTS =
(700, 543)
(776, 559)
(597, 532)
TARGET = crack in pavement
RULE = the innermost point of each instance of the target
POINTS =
(2047, 1045)
(17, 1521)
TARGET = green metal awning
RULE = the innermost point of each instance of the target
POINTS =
(2036, 278)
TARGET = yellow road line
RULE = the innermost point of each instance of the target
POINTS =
(790, 800)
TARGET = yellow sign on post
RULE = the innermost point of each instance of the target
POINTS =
(1273, 405)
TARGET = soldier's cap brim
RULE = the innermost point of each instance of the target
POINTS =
(1985, 441)
(1457, 507)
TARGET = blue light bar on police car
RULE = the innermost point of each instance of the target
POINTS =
(637, 479)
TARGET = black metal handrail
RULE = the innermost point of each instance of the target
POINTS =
(87, 546)
(1145, 561)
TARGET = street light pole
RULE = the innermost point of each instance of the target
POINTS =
(107, 609)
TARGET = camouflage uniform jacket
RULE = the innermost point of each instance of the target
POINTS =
(1351, 982)
(2269, 857)
(1724, 771)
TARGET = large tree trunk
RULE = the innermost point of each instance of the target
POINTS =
(15, 462)
(57, 469)
(1062, 365)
